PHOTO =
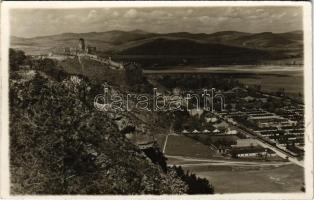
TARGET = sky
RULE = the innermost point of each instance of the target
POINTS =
(40, 22)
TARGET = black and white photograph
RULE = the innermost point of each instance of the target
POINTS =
(148, 98)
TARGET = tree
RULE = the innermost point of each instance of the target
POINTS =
(157, 157)
(196, 184)
(16, 58)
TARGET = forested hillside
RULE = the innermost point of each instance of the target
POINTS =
(60, 144)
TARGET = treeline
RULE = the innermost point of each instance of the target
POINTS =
(18, 60)
(196, 184)
(193, 81)
(217, 142)
(50, 67)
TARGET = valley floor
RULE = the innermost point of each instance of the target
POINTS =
(285, 178)
(232, 175)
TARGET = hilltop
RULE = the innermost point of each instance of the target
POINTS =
(177, 46)
(226, 47)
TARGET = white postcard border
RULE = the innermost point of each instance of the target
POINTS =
(308, 92)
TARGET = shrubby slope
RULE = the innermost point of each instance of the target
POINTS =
(60, 144)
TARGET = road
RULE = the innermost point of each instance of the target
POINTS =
(215, 162)
(165, 144)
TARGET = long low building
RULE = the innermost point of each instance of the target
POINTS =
(252, 151)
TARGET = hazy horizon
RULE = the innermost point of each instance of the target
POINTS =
(30, 23)
(151, 32)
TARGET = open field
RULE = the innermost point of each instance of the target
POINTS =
(232, 175)
(180, 145)
(186, 147)
(286, 178)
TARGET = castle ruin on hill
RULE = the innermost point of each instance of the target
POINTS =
(86, 55)
(82, 48)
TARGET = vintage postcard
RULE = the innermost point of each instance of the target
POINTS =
(167, 99)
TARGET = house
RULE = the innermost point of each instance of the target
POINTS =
(252, 151)
(222, 149)
(211, 119)
(195, 131)
(206, 131)
(248, 98)
(266, 121)
(232, 132)
(185, 131)
(216, 131)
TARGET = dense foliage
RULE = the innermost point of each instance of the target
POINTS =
(60, 144)
(16, 58)
(196, 185)
(196, 81)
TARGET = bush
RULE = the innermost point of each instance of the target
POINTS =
(16, 58)
(196, 185)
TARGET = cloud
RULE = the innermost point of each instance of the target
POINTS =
(208, 20)
(132, 13)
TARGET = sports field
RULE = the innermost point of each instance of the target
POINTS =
(180, 145)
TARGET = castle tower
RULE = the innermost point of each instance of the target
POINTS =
(81, 45)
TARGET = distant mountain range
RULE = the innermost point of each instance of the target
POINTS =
(225, 44)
